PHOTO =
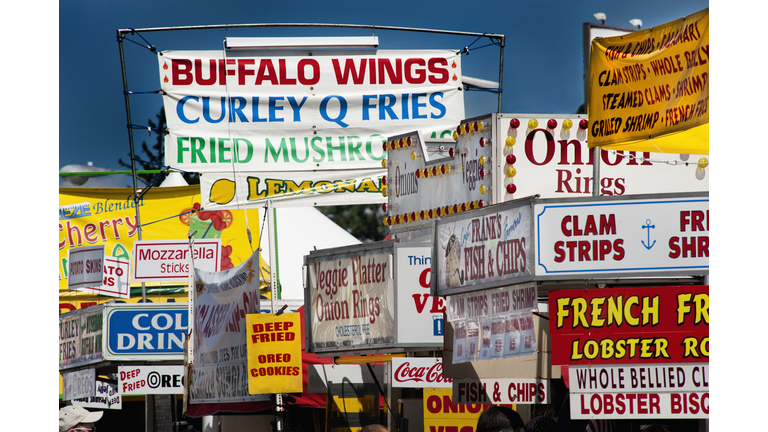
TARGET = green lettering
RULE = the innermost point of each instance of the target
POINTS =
(198, 144)
(181, 148)
(223, 150)
(249, 152)
(276, 153)
(353, 144)
(306, 150)
(340, 148)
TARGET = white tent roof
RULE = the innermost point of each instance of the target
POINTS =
(300, 230)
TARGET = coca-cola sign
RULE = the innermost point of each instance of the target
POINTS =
(415, 372)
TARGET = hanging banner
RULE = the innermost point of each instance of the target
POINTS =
(107, 216)
(651, 83)
(630, 325)
(293, 189)
(274, 353)
(325, 110)
(352, 298)
(221, 302)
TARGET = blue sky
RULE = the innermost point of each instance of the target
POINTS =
(543, 56)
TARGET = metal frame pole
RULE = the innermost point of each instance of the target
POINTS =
(120, 35)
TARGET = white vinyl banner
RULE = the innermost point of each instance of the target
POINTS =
(293, 189)
(324, 110)
(222, 300)
(419, 315)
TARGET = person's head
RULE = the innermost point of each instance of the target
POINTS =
(374, 428)
(77, 419)
(500, 419)
(542, 424)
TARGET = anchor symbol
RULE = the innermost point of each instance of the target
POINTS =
(648, 227)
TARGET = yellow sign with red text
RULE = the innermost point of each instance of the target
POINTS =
(652, 85)
(274, 353)
(442, 415)
(90, 216)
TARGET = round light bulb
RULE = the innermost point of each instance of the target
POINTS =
(511, 172)
(552, 123)
(511, 188)
(480, 204)
(413, 155)
(482, 142)
(583, 124)
(514, 123)
(384, 163)
(455, 136)
(703, 163)
(450, 152)
(533, 123)
(384, 207)
(567, 124)
(511, 159)
(482, 160)
(510, 141)
(384, 192)
(482, 173)
(480, 125)
(482, 189)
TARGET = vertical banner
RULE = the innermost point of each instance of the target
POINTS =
(274, 353)
(651, 83)
(222, 302)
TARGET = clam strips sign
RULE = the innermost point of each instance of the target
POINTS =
(416, 372)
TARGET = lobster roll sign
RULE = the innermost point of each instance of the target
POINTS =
(482, 249)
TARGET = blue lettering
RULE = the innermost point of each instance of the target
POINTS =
(435, 104)
(273, 108)
(237, 110)
(415, 105)
(296, 107)
(180, 109)
(342, 110)
(207, 110)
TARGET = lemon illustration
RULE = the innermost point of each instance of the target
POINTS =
(222, 191)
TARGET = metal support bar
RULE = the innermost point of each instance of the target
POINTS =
(130, 143)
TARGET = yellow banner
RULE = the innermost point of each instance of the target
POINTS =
(90, 216)
(649, 90)
(274, 353)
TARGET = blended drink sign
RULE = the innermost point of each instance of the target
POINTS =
(289, 112)
(352, 299)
